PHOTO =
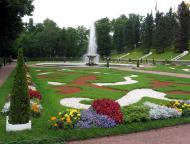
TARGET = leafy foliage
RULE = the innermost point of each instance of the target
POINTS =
(103, 28)
(136, 114)
(147, 33)
(11, 22)
(183, 34)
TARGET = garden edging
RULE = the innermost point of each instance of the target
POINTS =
(17, 127)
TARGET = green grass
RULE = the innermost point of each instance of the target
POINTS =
(163, 56)
(116, 56)
(136, 54)
(179, 97)
(167, 68)
(187, 57)
(51, 103)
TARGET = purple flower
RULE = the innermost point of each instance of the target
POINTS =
(104, 121)
(89, 119)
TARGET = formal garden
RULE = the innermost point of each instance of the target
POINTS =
(69, 103)
(123, 75)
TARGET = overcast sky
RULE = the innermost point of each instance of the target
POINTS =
(71, 13)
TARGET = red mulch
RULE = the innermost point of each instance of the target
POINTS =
(42, 77)
(84, 80)
(68, 90)
(178, 92)
(157, 84)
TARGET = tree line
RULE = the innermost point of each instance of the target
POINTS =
(162, 32)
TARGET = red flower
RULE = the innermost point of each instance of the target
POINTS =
(35, 94)
(110, 108)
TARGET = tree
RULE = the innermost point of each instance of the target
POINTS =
(172, 26)
(83, 40)
(20, 101)
(147, 33)
(160, 34)
(11, 22)
(183, 35)
(165, 31)
(119, 30)
(72, 42)
(103, 29)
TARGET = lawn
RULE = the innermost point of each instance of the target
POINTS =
(163, 56)
(170, 68)
(187, 57)
(51, 102)
(136, 54)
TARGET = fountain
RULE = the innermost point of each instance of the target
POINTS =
(91, 58)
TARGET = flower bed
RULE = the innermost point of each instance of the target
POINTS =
(106, 113)
(103, 113)
(108, 107)
(181, 106)
(65, 120)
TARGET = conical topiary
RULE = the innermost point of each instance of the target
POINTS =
(20, 100)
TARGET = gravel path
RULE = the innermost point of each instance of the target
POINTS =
(169, 135)
(155, 72)
(5, 72)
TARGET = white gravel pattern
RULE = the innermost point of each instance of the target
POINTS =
(67, 70)
(172, 68)
(128, 80)
(132, 97)
(75, 103)
(55, 83)
(45, 73)
(32, 87)
(187, 70)
(96, 72)
(136, 95)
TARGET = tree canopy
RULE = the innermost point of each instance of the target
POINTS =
(11, 23)
(161, 32)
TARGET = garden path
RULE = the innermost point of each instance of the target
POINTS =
(5, 72)
(155, 72)
(168, 135)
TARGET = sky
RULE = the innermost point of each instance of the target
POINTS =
(72, 13)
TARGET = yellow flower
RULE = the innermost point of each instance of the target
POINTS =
(62, 118)
(68, 119)
(78, 115)
(35, 107)
(60, 113)
(53, 118)
(55, 124)
(180, 110)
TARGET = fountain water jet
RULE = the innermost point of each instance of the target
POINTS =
(91, 57)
